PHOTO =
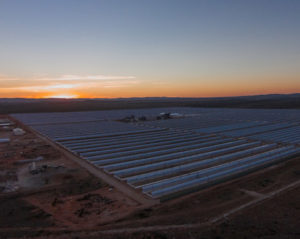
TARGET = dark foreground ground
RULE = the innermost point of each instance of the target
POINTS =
(190, 217)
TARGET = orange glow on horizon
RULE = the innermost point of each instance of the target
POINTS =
(63, 96)
(188, 92)
(196, 87)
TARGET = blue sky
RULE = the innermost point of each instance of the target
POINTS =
(149, 48)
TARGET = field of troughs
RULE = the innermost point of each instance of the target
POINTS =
(168, 152)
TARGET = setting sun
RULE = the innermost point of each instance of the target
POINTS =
(65, 96)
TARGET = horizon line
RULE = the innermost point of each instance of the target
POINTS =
(148, 97)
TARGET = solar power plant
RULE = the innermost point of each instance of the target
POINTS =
(167, 158)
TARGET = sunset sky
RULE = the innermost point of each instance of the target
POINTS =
(144, 48)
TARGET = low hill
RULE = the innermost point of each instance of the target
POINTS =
(274, 101)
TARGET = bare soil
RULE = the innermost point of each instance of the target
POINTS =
(59, 195)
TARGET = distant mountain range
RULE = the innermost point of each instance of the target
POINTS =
(272, 101)
(250, 97)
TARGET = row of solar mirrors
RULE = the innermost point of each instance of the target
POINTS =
(166, 163)
(206, 115)
(288, 133)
